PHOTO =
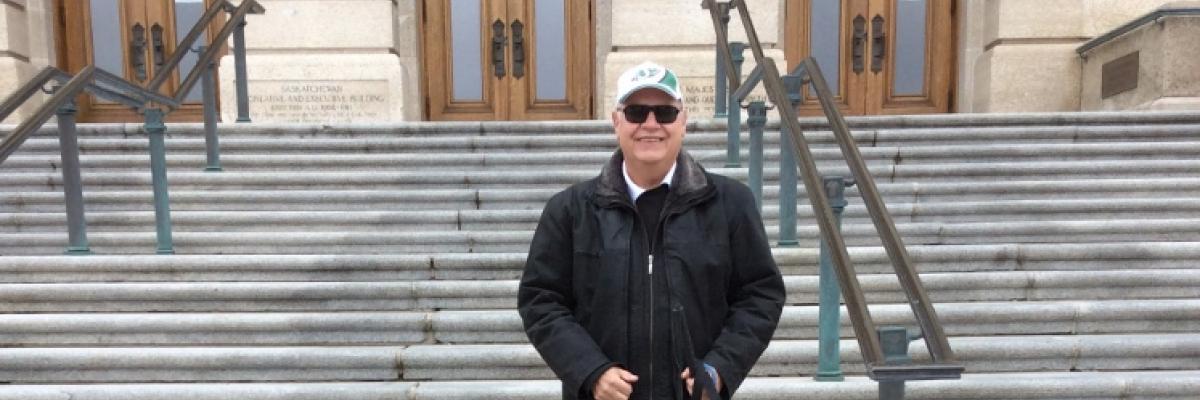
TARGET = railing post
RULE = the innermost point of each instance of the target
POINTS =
(239, 70)
(788, 176)
(158, 174)
(757, 119)
(734, 126)
(894, 342)
(721, 85)
(211, 144)
(829, 361)
(68, 143)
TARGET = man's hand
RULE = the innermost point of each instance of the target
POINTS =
(689, 380)
(614, 384)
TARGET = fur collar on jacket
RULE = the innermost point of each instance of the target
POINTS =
(690, 180)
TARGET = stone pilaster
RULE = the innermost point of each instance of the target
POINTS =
(25, 47)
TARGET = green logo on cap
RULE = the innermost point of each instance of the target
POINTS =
(669, 80)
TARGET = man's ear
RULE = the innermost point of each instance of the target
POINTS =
(615, 119)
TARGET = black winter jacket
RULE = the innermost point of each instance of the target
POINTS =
(587, 289)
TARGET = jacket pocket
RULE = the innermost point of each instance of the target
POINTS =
(586, 268)
(702, 262)
(700, 277)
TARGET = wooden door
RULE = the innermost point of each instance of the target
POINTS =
(130, 38)
(507, 59)
(878, 56)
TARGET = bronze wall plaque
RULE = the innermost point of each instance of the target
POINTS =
(1118, 76)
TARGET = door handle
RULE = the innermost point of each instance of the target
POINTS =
(156, 40)
(518, 35)
(878, 43)
(498, 42)
(858, 42)
(137, 51)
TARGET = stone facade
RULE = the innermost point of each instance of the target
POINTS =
(1019, 55)
(1011, 55)
(26, 45)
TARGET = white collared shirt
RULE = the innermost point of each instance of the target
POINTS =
(636, 191)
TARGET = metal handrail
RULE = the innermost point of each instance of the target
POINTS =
(181, 50)
(210, 54)
(148, 101)
(61, 96)
(237, 15)
(865, 332)
(126, 92)
(1152, 16)
(935, 337)
(90, 79)
(27, 90)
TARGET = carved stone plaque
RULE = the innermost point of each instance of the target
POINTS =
(1119, 76)
(699, 95)
(313, 101)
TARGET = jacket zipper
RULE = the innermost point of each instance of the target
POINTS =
(650, 278)
(650, 297)
(650, 275)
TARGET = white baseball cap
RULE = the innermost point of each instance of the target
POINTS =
(647, 75)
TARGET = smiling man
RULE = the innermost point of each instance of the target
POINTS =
(652, 270)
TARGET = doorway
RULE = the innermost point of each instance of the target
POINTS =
(878, 56)
(507, 59)
(131, 39)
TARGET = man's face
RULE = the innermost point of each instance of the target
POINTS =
(649, 143)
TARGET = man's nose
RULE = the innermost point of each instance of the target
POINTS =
(652, 121)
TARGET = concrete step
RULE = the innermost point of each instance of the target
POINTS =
(370, 328)
(242, 221)
(958, 319)
(49, 198)
(468, 219)
(799, 357)
(1102, 385)
(1057, 128)
(198, 364)
(249, 200)
(424, 295)
(217, 329)
(286, 241)
(561, 178)
(479, 266)
(505, 362)
(283, 159)
(290, 240)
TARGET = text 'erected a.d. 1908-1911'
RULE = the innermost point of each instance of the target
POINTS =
(319, 101)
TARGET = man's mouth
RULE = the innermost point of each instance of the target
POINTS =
(650, 139)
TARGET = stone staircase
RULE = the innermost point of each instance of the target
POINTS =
(1062, 252)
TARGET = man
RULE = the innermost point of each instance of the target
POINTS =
(653, 267)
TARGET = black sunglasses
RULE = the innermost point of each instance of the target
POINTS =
(637, 113)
